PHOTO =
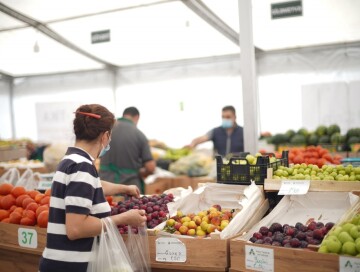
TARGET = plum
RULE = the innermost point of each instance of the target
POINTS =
(276, 227)
(303, 244)
(264, 231)
(294, 242)
(268, 240)
(260, 241)
(258, 235)
(276, 243)
(319, 225)
(300, 235)
(253, 239)
(329, 225)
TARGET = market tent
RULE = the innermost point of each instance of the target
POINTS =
(166, 46)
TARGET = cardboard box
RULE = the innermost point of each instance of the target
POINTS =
(158, 186)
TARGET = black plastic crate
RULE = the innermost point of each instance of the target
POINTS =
(239, 171)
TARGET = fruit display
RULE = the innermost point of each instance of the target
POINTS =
(201, 224)
(242, 170)
(193, 165)
(313, 172)
(155, 207)
(174, 154)
(343, 238)
(298, 236)
(19, 206)
(312, 155)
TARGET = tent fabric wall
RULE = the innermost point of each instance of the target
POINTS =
(185, 98)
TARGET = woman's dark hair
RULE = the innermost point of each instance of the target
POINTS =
(92, 120)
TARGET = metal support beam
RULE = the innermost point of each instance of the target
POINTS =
(12, 114)
(114, 86)
(212, 19)
(51, 34)
(248, 77)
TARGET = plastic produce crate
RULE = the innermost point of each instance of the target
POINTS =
(239, 171)
(353, 161)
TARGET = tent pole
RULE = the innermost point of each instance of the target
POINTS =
(114, 86)
(248, 77)
(11, 101)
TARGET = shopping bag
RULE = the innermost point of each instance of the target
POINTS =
(29, 180)
(10, 176)
(138, 248)
(109, 253)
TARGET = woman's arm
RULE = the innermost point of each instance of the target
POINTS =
(114, 189)
(84, 226)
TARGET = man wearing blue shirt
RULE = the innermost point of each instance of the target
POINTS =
(228, 138)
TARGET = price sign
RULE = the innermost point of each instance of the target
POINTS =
(259, 259)
(349, 264)
(27, 238)
(44, 185)
(294, 187)
(170, 249)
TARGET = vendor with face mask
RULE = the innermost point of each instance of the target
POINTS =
(228, 138)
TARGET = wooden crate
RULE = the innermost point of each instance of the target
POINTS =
(15, 258)
(181, 181)
(286, 259)
(210, 254)
(159, 186)
(199, 180)
(315, 185)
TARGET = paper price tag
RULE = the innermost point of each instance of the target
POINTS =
(27, 238)
(349, 264)
(170, 249)
(259, 259)
(294, 187)
(44, 185)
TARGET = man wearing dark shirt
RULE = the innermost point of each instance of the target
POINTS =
(228, 138)
(129, 158)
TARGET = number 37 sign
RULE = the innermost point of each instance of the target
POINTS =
(27, 238)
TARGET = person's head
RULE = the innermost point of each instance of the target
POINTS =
(93, 124)
(228, 116)
(132, 114)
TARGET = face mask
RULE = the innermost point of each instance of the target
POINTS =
(227, 123)
(104, 150)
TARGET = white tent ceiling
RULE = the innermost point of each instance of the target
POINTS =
(147, 31)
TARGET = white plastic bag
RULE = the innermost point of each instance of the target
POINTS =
(10, 176)
(29, 180)
(109, 253)
(138, 248)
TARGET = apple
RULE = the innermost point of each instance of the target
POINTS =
(204, 225)
(200, 232)
(179, 214)
(333, 244)
(192, 225)
(183, 230)
(170, 222)
(357, 244)
(356, 219)
(197, 220)
(336, 231)
(211, 228)
(216, 221)
(205, 219)
(177, 225)
(191, 232)
(224, 224)
(323, 249)
(347, 226)
(345, 237)
(355, 232)
(349, 248)
(185, 219)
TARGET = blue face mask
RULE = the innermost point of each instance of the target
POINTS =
(227, 123)
(104, 150)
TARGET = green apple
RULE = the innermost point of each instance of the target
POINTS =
(333, 244)
(347, 226)
(336, 231)
(355, 232)
(357, 244)
(290, 170)
(323, 249)
(345, 237)
(356, 219)
(250, 159)
(349, 248)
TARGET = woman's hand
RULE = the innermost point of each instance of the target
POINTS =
(134, 218)
(132, 190)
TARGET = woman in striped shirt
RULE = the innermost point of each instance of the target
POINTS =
(78, 195)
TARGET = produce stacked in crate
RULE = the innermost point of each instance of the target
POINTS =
(155, 207)
(216, 209)
(344, 238)
(313, 172)
(241, 170)
(19, 206)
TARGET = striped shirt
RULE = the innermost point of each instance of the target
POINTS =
(76, 189)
